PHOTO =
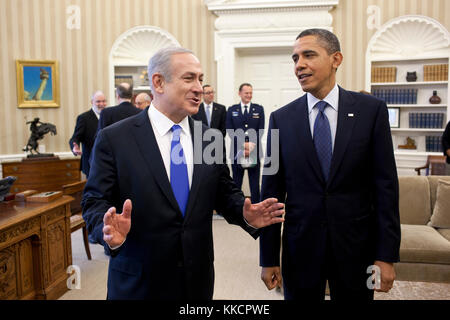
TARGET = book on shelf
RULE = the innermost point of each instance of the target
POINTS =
(118, 79)
(435, 72)
(384, 74)
(397, 96)
(433, 143)
(426, 120)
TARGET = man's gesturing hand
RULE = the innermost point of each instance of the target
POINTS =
(264, 213)
(116, 226)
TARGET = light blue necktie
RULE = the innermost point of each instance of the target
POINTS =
(208, 115)
(322, 139)
(178, 170)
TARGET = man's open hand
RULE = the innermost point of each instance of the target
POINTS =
(116, 226)
(264, 213)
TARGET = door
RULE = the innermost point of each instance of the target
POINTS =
(270, 71)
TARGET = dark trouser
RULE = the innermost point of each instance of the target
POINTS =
(253, 177)
(340, 289)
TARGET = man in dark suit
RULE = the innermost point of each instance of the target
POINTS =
(161, 244)
(446, 146)
(125, 109)
(338, 179)
(249, 118)
(83, 136)
(212, 114)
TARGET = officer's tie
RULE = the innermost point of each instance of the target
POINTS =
(246, 113)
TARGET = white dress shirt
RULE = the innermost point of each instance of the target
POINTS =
(96, 112)
(243, 107)
(161, 128)
(332, 113)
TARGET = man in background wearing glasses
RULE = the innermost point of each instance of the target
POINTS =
(210, 113)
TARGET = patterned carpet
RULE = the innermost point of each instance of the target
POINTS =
(237, 272)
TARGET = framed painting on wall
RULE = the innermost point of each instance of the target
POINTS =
(37, 84)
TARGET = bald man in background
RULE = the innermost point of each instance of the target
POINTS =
(84, 133)
(143, 100)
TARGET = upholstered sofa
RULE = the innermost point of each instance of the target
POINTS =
(425, 226)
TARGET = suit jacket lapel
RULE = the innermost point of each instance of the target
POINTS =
(213, 115)
(199, 166)
(344, 129)
(304, 135)
(146, 141)
(92, 117)
(202, 113)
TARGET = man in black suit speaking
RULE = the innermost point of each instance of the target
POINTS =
(83, 136)
(151, 167)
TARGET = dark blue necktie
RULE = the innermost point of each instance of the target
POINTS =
(322, 139)
(178, 170)
(246, 113)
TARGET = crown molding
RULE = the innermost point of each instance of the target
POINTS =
(263, 14)
(220, 6)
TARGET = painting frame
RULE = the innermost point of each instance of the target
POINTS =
(394, 117)
(32, 90)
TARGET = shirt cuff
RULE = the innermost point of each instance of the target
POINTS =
(250, 225)
(118, 246)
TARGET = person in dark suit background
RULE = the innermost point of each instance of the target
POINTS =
(446, 146)
(337, 176)
(161, 244)
(246, 116)
(125, 109)
(212, 114)
(83, 136)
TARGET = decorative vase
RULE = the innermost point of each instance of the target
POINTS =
(434, 99)
(411, 76)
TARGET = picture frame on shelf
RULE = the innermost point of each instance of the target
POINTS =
(37, 83)
(394, 117)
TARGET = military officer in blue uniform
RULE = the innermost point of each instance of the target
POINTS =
(246, 153)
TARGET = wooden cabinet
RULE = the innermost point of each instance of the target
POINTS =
(35, 249)
(42, 175)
